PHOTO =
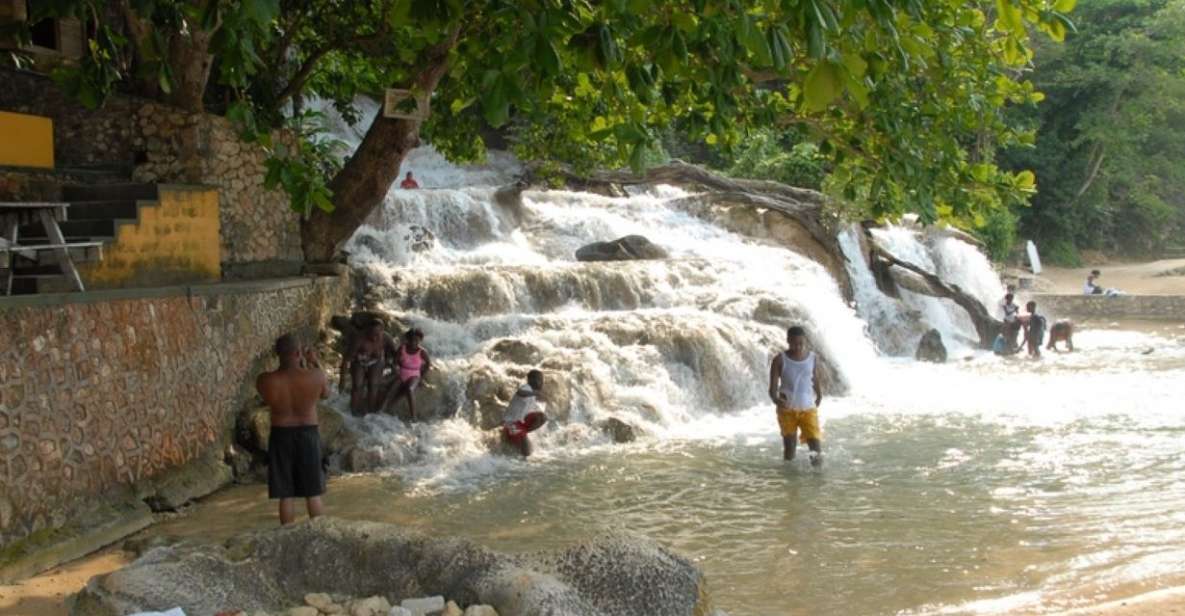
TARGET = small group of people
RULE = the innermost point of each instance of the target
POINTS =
(291, 393)
(368, 357)
(1033, 325)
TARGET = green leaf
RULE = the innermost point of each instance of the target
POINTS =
(1026, 181)
(815, 45)
(1009, 18)
(496, 108)
(1064, 6)
(754, 41)
(855, 64)
(821, 87)
(547, 57)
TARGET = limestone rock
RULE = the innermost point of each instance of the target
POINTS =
(452, 609)
(303, 610)
(323, 602)
(931, 348)
(399, 610)
(618, 430)
(616, 574)
(330, 424)
(424, 606)
(628, 248)
(516, 351)
(179, 485)
(361, 459)
(370, 606)
(480, 610)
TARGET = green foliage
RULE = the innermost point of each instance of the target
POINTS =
(302, 167)
(763, 156)
(903, 100)
(1061, 252)
(998, 233)
(1111, 136)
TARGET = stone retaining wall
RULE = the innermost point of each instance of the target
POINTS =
(260, 234)
(103, 390)
(1150, 307)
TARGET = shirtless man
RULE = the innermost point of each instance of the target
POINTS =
(294, 447)
(364, 360)
(1061, 330)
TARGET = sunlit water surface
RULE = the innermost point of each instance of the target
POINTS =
(981, 486)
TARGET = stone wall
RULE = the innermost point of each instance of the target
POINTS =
(158, 143)
(1140, 307)
(260, 234)
(100, 391)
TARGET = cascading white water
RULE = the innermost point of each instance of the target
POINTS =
(980, 486)
(897, 324)
(657, 344)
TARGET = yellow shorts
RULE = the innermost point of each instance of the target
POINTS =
(805, 423)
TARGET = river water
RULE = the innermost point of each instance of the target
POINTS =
(984, 485)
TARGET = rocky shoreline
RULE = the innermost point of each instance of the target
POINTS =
(615, 574)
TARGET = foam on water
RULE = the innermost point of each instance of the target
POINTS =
(994, 479)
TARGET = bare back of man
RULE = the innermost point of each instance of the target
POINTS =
(291, 393)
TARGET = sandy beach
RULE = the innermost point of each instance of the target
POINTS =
(1131, 278)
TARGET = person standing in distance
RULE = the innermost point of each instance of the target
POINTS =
(291, 393)
(794, 389)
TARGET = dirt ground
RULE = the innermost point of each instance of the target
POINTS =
(1131, 278)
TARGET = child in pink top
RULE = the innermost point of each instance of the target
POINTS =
(413, 363)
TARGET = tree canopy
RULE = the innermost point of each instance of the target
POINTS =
(1111, 135)
(905, 98)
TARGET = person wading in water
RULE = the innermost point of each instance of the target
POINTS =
(291, 393)
(794, 389)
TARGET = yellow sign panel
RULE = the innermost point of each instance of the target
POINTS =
(26, 140)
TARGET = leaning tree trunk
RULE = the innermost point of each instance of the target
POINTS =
(366, 177)
(986, 326)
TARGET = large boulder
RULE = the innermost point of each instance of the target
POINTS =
(628, 248)
(618, 430)
(617, 574)
(330, 424)
(931, 348)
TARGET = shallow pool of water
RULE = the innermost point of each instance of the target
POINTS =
(985, 485)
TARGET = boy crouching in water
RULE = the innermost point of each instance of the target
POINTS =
(794, 388)
(524, 414)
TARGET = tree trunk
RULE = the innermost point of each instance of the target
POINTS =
(190, 59)
(986, 326)
(366, 177)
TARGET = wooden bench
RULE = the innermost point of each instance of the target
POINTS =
(13, 215)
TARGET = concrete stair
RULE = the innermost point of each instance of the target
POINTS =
(95, 214)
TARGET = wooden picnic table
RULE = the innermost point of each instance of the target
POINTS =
(13, 215)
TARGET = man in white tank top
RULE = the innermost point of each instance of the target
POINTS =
(794, 389)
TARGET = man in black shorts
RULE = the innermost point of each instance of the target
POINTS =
(294, 447)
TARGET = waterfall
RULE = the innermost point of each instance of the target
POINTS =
(657, 344)
(896, 324)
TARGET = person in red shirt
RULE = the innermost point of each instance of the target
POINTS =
(409, 182)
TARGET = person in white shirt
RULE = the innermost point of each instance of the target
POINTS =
(794, 389)
(1011, 321)
(1091, 287)
(524, 414)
